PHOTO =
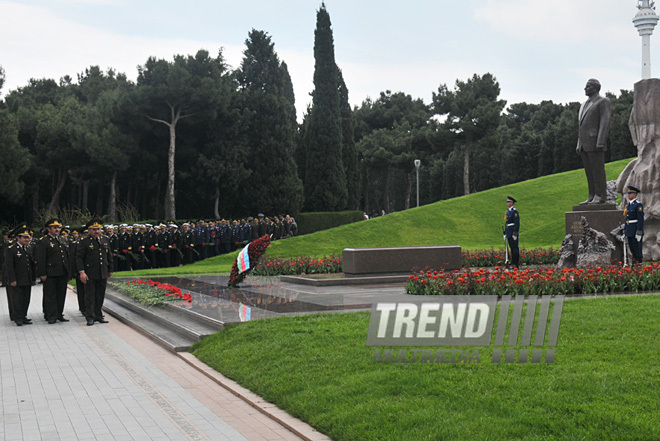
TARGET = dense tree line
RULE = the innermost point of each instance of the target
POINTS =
(468, 140)
(188, 137)
(191, 138)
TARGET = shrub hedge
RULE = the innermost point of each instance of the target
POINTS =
(317, 221)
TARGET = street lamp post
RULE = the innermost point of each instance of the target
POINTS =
(417, 164)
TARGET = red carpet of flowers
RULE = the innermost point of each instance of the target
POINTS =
(256, 250)
(540, 281)
(166, 288)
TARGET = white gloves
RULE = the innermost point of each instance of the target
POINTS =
(638, 236)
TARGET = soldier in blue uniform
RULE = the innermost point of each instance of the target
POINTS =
(236, 236)
(211, 243)
(202, 238)
(634, 214)
(512, 222)
(246, 232)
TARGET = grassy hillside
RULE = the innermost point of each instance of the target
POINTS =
(473, 222)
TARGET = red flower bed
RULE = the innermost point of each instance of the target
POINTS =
(166, 288)
(275, 266)
(493, 257)
(300, 265)
(541, 281)
(255, 251)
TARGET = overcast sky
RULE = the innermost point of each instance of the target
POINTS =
(537, 49)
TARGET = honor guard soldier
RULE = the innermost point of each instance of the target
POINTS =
(54, 271)
(20, 274)
(94, 261)
(634, 214)
(512, 222)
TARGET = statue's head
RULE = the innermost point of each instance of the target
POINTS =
(592, 87)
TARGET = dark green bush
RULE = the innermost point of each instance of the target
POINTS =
(317, 221)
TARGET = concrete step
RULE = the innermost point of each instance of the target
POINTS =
(175, 318)
(161, 334)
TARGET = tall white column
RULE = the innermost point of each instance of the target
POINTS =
(645, 21)
(646, 57)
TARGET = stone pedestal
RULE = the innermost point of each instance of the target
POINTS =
(601, 217)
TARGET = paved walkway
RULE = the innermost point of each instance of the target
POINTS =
(68, 381)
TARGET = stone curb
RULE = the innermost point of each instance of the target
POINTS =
(300, 428)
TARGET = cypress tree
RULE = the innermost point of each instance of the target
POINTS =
(269, 130)
(325, 179)
(349, 153)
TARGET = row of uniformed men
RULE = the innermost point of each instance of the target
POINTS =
(142, 246)
(55, 260)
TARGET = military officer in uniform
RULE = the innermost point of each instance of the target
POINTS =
(254, 228)
(246, 232)
(236, 236)
(20, 274)
(634, 214)
(54, 271)
(512, 222)
(175, 245)
(225, 237)
(80, 287)
(151, 244)
(125, 247)
(95, 264)
(187, 243)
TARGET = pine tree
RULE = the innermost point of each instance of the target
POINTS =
(269, 132)
(325, 178)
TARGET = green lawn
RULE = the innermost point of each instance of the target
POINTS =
(473, 222)
(603, 384)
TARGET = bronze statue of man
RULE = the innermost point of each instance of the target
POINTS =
(594, 125)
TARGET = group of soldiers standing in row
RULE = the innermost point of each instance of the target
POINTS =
(143, 246)
(91, 253)
(55, 260)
